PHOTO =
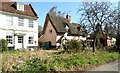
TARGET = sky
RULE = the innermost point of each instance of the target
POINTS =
(65, 0)
(42, 7)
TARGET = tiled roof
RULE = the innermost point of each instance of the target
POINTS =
(12, 7)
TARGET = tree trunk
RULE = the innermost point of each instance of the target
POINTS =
(94, 44)
(118, 42)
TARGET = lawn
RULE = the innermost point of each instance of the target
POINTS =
(49, 60)
(10, 59)
(9, 52)
(68, 62)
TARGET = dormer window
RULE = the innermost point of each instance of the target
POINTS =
(20, 7)
(66, 27)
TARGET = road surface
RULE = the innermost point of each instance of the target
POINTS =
(112, 67)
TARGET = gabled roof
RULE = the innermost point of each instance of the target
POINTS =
(59, 23)
(12, 7)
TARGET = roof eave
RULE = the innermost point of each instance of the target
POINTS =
(33, 11)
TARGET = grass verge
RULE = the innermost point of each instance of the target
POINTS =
(68, 62)
(9, 52)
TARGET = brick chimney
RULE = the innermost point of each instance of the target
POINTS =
(68, 17)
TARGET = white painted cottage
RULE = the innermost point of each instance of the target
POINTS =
(18, 25)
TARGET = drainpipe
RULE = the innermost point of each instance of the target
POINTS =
(14, 38)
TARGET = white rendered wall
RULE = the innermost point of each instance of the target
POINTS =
(19, 30)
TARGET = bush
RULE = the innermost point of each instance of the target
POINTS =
(3, 44)
(40, 44)
(74, 45)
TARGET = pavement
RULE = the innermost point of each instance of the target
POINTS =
(112, 67)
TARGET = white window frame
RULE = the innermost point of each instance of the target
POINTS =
(20, 39)
(31, 22)
(20, 21)
(30, 39)
(9, 39)
(9, 20)
(20, 7)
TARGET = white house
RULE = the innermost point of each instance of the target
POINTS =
(18, 25)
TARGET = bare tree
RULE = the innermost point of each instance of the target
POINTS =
(61, 14)
(40, 29)
(94, 16)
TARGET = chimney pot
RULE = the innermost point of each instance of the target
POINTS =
(68, 17)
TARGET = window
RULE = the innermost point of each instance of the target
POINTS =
(20, 21)
(30, 40)
(20, 39)
(66, 27)
(20, 7)
(9, 20)
(30, 23)
(50, 31)
(78, 28)
(9, 39)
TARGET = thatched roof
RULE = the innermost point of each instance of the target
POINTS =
(59, 23)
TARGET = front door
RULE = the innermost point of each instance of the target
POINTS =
(20, 42)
